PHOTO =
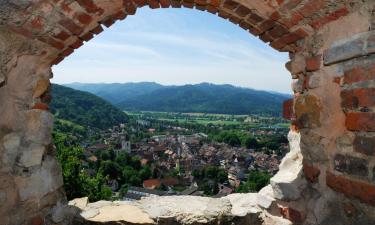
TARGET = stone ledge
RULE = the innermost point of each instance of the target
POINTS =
(233, 209)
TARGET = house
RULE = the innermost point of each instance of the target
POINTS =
(155, 183)
(136, 193)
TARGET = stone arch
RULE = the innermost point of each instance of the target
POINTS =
(331, 45)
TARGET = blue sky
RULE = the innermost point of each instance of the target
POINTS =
(176, 46)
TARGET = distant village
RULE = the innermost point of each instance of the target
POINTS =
(183, 153)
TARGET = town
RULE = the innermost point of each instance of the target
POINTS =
(173, 157)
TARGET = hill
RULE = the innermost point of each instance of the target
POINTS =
(84, 108)
(204, 97)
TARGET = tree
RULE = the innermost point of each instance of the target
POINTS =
(251, 142)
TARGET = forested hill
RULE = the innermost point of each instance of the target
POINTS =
(204, 97)
(84, 108)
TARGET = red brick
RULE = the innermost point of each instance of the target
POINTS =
(201, 2)
(266, 37)
(189, 5)
(275, 16)
(255, 18)
(278, 31)
(84, 18)
(21, 30)
(87, 37)
(278, 44)
(288, 109)
(311, 7)
(67, 52)
(311, 172)
(57, 60)
(267, 25)
(165, 3)
(129, 7)
(89, 5)
(62, 35)
(294, 36)
(154, 4)
(71, 26)
(229, 4)
(242, 11)
(360, 121)
(359, 74)
(40, 106)
(215, 3)
(364, 145)
(223, 14)
(351, 188)
(97, 30)
(108, 22)
(361, 97)
(234, 19)
(313, 63)
(37, 23)
(54, 43)
(140, 3)
(38, 220)
(212, 9)
(290, 5)
(77, 44)
(291, 214)
(318, 23)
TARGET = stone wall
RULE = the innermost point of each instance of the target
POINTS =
(331, 45)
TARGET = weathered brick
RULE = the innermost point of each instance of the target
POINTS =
(234, 19)
(308, 108)
(267, 25)
(140, 3)
(165, 3)
(154, 4)
(87, 37)
(318, 23)
(364, 145)
(277, 31)
(229, 4)
(351, 188)
(129, 7)
(89, 5)
(54, 43)
(294, 19)
(242, 11)
(291, 214)
(57, 60)
(62, 35)
(290, 5)
(40, 106)
(254, 18)
(37, 23)
(288, 109)
(97, 30)
(71, 26)
(84, 18)
(311, 7)
(108, 22)
(78, 43)
(311, 172)
(67, 52)
(356, 98)
(313, 63)
(351, 165)
(38, 220)
(360, 121)
(294, 36)
(360, 73)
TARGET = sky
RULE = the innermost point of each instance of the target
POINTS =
(176, 47)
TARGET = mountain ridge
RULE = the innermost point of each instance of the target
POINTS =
(202, 97)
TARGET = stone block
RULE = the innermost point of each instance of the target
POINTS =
(11, 143)
(288, 109)
(32, 156)
(351, 165)
(291, 214)
(41, 87)
(308, 108)
(39, 126)
(364, 145)
(348, 50)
